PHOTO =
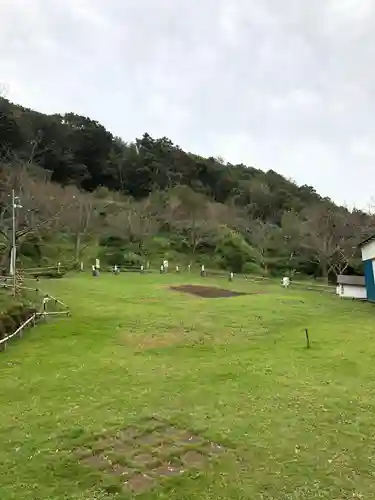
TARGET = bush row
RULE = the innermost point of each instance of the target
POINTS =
(49, 273)
(13, 318)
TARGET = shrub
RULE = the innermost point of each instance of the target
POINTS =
(112, 257)
(113, 241)
(162, 244)
(31, 249)
(132, 259)
(26, 313)
(8, 323)
(16, 313)
(2, 329)
(14, 317)
(233, 253)
(48, 273)
(119, 257)
(253, 268)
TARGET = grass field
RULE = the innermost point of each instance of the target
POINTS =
(287, 423)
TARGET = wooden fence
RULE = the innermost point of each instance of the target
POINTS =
(19, 331)
(29, 322)
(36, 317)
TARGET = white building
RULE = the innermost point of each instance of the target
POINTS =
(353, 287)
(368, 259)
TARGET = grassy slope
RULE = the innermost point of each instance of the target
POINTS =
(300, 421)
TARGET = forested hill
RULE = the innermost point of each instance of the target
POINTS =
(80, 150)
(168, 201)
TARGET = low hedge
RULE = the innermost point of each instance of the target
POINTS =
(13, 318)
(52, 274)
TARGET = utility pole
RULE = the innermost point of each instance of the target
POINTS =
(13, 256)
(15, 205)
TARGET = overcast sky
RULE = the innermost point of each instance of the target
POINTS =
(287, 85)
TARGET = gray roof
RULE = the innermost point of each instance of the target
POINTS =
(343, 279)
(367, 240)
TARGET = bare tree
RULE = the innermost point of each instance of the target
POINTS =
(332, 236)
(191, 213)
(42, 206)
(82, 219)
(135, 221)
(351, 227)
(263, 238)
(290, 240)
(320, 235)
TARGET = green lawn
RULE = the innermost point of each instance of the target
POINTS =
(294, 423)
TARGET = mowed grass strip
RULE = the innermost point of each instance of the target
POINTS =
(297, 423)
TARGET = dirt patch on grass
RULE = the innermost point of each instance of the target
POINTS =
(167, 450)
(140, 457)
(194, 460)
(144, 460)
(207, 292)
(139, 483)
(104, 444)
(151, 439)
(120, 470)
(169, 469)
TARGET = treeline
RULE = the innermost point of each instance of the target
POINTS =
(150, 196)
(78, 150)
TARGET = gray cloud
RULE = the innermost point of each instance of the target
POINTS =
(283, 85)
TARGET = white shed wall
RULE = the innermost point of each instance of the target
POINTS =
(368, 250)
(353, 292)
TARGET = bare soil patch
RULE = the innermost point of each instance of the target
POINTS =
(189, 439)
(144, 460)
(142, 456)
(194, 460)
(140, 483)
(121, 447)
(151, 439)
(104, 444)
(168, 470)
(120, 470)
(167, 450)
(207, 292)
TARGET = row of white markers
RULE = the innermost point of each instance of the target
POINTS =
(163, 267)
